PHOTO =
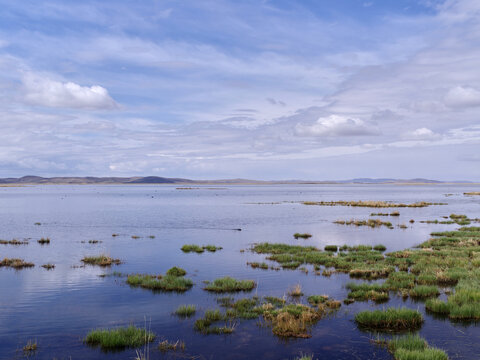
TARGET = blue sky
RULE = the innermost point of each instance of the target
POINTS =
(253, 89)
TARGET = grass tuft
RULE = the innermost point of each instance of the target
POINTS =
(110, 339)
(228, 284)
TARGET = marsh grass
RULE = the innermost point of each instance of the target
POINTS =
(228, 284)
(302, 235)
(257, 265)
(200, 249)
(380, 248)
(160, 283)
(373, 223)
(166, 345)
(296, 291)
(424, 291)
(110, 339)
(205, 324)
(30, 347)
(176, 271)
(370, 204)
(101, 260)
(44, 241)
(413, 347)
(333, 248)
(186, 310)
(293, 320)
(14, 242)
(363, 292)
(16, 263)
(390, 319)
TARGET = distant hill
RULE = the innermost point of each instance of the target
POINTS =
(38, 180)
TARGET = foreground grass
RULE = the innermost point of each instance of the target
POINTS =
(390, 319)
(228, 284)
(413, 347)
(110, 339)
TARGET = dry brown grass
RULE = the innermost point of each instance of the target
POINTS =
(15, 263)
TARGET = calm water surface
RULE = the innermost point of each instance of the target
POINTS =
(59, 307)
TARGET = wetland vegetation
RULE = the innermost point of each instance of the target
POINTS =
(446, 264)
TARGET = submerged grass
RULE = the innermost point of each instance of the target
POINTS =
(186, 310)
(110, 339)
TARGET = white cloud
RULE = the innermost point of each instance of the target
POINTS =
(423, 134)
(336, 125)
(46, 92)
(462, 97)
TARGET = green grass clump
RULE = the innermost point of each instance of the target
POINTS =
(204, 325)
(409, 342)
(176, 271)
(302, 235)
(428, 354)
(200, 249)
(256, 265)
(363, 292)
(333, 248)
(192, 248)
(186, 310)
(437, 306)
(130, 336)
(413, 347)
(424, 291)
(228, 284)
(317, 299)
(161, 283)
(380, 248)
(390, 319)
(212, 248)
(400, 280)
(101, 260)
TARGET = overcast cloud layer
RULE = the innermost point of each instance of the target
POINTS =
(253, 89)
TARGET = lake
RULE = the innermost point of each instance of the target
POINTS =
(58, 307)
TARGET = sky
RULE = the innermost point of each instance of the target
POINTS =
(259, 89)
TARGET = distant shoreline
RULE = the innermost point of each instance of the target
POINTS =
(155, 180)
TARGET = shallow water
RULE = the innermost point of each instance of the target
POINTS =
(58, 307)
